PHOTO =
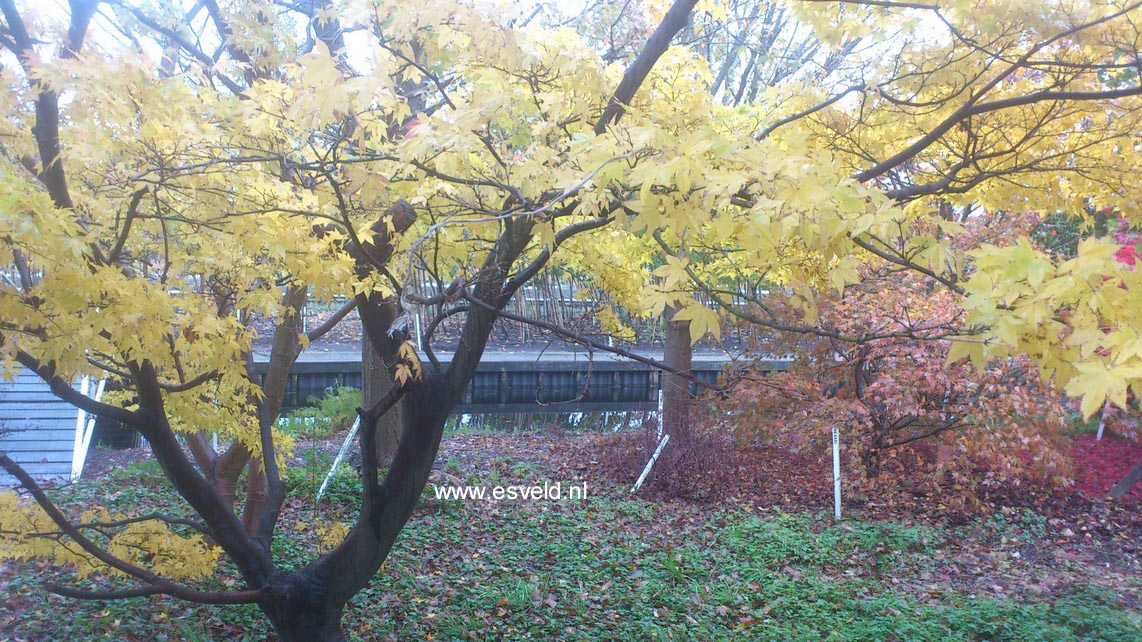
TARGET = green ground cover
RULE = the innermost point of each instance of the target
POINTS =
(611, 567)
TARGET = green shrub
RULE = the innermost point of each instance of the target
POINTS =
(323, 417)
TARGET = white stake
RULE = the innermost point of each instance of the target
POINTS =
(1102, 420)
(340, 456)
(836, 473)
(80, 424)
(650, 464)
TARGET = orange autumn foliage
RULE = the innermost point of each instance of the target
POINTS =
(893, 394)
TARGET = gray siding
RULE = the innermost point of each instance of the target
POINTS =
(37, 430)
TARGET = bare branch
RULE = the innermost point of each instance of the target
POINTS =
(132, 212)
(62, 389)
(23, 270)
(815, 108)
(149, 517)
(198, 597)
(929, 333)
(561, 236)
(892, 257)
(973, 108)
(891, 4)
(332, 321)
(205, 60)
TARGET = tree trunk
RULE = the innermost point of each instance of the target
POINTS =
(257, 496)
(263, 496)
(1119, 490)
(375, 384)
(871, 460)
(676, 398)
(306, 628)
(299, 611)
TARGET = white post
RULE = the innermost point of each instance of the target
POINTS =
(658, 433)
(340, 456)
(1102, 420)
(836, 473)
(416, 327)
(650, 464)
(84, 431)
(80, 423)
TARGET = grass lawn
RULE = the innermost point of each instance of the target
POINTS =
(611, 567)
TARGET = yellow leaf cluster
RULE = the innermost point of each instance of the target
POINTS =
(1078, 318)
(26, 532)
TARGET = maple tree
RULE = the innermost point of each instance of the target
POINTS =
(226, 159)
(947, 116)
(153, 208)
(748, 46)
(877, 365)
(897, 391)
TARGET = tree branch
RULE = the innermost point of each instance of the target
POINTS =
(157, 583)
(23, 270)
(673, 22)
(198, 597)
(903, 262)
(252, 560)
(64, 391)
(332, 321)
(129, 217)
(283, 354)
(206, 61)
(812, 110)
(370, 465)
(524, 275)
(167, 519)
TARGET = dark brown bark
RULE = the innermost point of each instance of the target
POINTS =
(150, 420)
(264, 491)
(381, 340)
(200, 449)
(307, 604)
(257, 495)
(376, 382)
(1119, 490)
(676, 399)
(300, 614)
(227, 469)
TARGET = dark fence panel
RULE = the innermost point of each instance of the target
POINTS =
(524, 385)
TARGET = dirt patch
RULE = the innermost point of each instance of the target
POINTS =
(101, 461)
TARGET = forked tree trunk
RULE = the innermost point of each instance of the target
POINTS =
(307, 604)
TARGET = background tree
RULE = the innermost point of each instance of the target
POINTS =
(1025, 112)
(894, 393)
(748, 46)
